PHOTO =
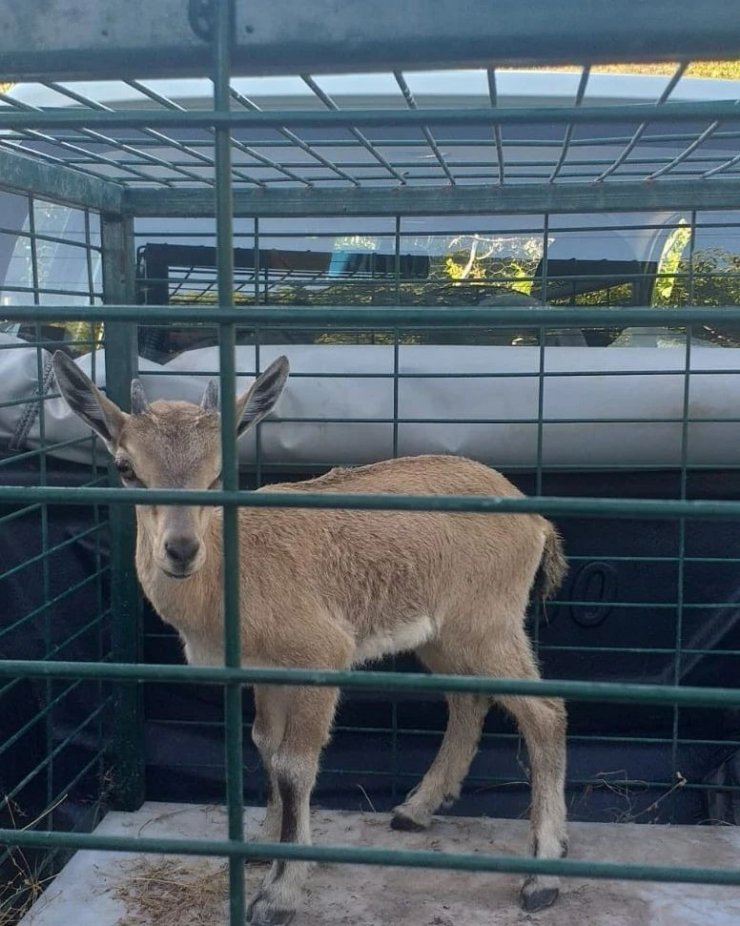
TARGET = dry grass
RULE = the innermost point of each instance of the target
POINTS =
(23, 886)
(21, 890)
(171, 892)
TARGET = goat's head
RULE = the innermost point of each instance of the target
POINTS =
(168, 445)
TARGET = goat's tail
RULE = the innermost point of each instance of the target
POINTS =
(553, 565)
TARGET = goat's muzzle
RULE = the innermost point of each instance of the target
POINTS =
(183, 555)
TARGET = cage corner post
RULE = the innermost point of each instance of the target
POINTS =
(121, 364)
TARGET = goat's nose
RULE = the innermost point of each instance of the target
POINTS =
(181, 549)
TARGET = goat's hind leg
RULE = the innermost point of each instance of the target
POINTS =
(542, 722)
(441, 784)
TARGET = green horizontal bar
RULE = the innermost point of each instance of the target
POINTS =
(315, 419)
(485, 737)
(28, 236)
(19, 513)
(320, 466)
(59, 647)
(665, 605)
(497, 782)
(43, 342)
(102, 758)
(583, 507)
(98, 621)
(353, 855)
(248, 275)
(115, 40)
(40, 557)
(593, 650)
(639, 650)
(82, 293)
(703, 605)
(364, 118)
(720, 560)
(382, 681)
(492, 374)
(21, 173)
(438, 199)
(388, 316)
(51, 448)
(536, 228)
(38, 716)
(70, 590)
(48, 759)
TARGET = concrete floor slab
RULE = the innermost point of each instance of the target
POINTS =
(104, 889)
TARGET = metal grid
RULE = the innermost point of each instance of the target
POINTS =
(420, 131)
(55, 756)
(675, 653)
(239, 148)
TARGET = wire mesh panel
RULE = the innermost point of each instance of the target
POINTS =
(544, 278)
(55, 763)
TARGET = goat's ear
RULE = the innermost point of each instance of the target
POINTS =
(139, 401)
(209, 402)
(87, 401)
(262, 397)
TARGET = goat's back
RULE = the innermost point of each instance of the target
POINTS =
(431, 474)
(378, 567)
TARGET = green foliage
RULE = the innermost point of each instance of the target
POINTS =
(718, 70)
(670, 263)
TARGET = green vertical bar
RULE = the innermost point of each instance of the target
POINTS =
(681, 573)
(541, 377)
(396, 333)
(94, 473)
(44, 513)
(227, 357)
(258, 429)
(394, 661)
(121, 363)
(256, 249)
(539, 611)
(257, 362)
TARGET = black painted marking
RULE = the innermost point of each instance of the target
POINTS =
(289, 824)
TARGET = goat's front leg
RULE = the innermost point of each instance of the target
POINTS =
(268, 729)
(308, 717)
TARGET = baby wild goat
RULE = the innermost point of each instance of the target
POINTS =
(335, 588)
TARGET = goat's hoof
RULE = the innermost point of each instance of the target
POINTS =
(403, 821)
(405, 824)
(274, 918)
(534, 898)
(260, 913)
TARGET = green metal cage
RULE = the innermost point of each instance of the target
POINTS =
(249, 171)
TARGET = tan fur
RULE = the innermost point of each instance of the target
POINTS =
(326, 588)
(359, 572)
(317, 585)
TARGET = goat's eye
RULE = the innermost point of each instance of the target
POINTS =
(125, 470)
